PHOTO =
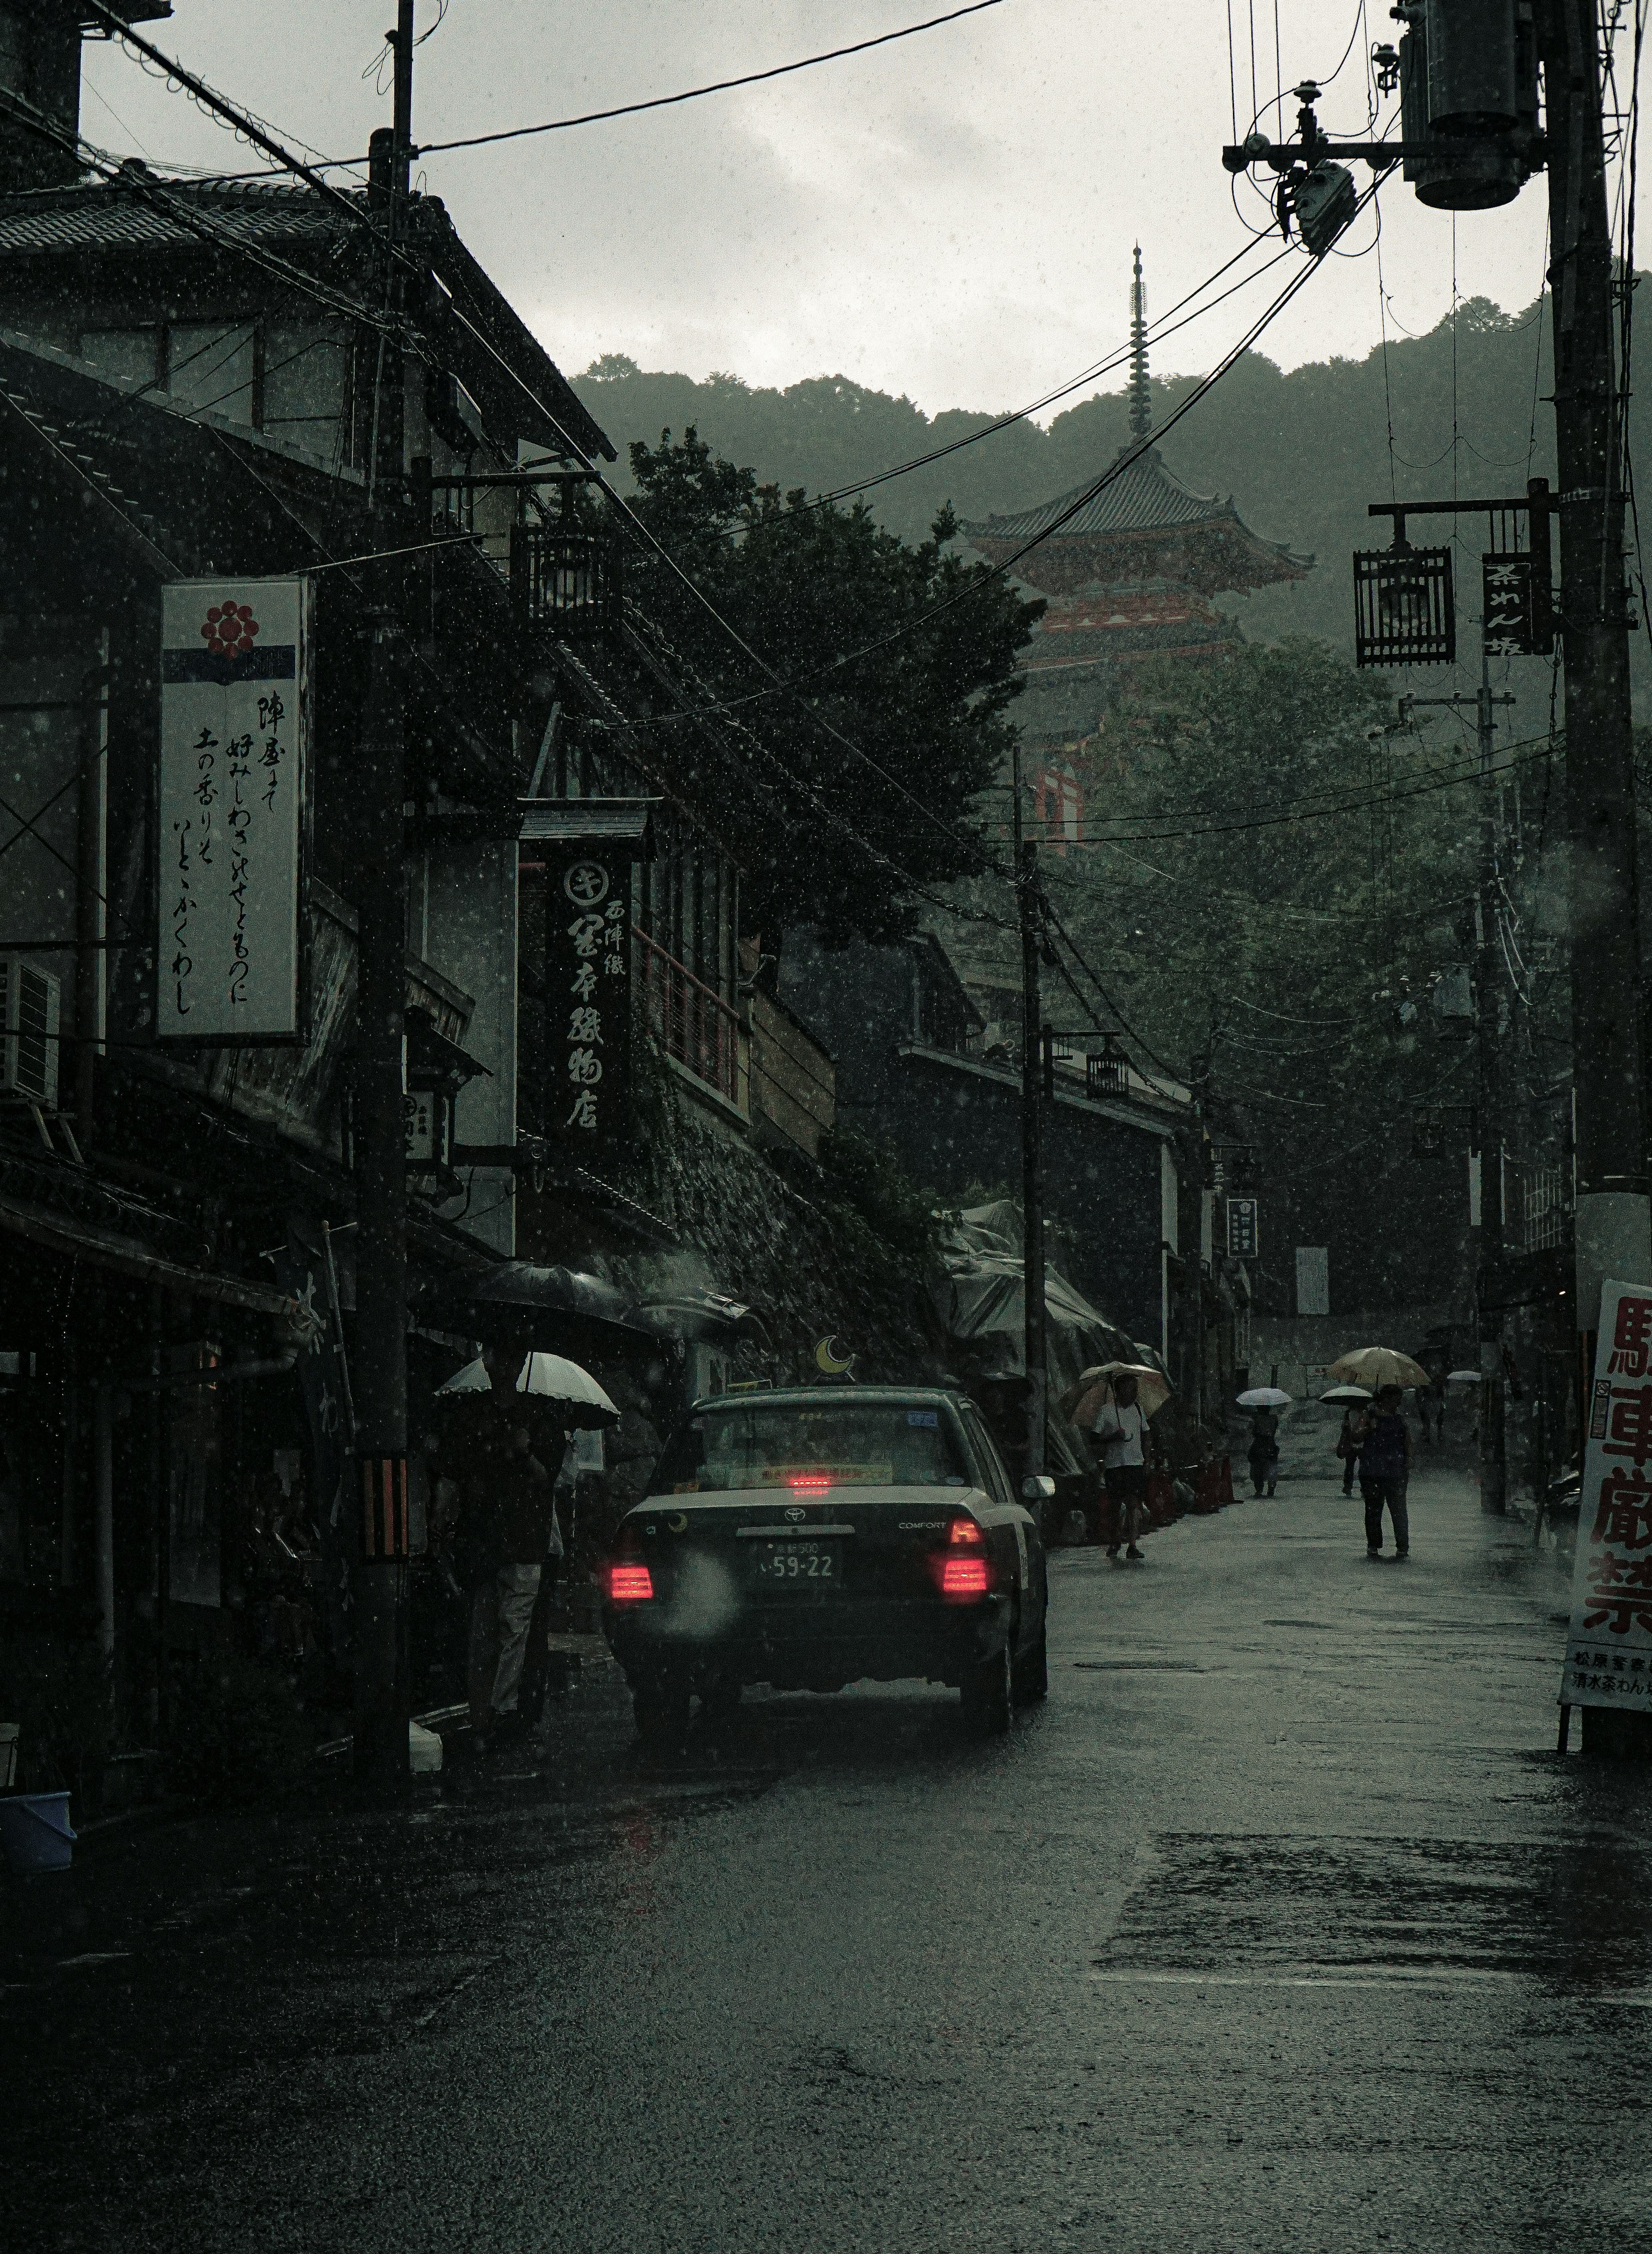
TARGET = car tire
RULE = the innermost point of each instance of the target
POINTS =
(660, 1711)
(1032, 1670)
(988, 1696)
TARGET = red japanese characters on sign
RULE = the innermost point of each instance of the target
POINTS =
(1609, 1646)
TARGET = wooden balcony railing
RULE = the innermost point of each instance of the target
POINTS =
(689, 1020)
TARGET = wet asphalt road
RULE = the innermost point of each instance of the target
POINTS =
(1280, 1926)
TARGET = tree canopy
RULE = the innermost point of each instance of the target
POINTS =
(1285, 903)
(856, 687)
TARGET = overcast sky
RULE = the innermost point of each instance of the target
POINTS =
(950, 217)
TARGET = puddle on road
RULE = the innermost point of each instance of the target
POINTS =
(1221, 1910)
(1139, 1666)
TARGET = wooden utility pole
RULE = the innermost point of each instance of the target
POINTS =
(379, 1580)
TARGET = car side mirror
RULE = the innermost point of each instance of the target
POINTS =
(1037, 1487)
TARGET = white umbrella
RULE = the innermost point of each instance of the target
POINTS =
(1464, 1376)
(581, 1401)
(473, 1378)
(1265, 1396)
(1344, 1396)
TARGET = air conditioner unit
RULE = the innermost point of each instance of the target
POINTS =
(29, 1000)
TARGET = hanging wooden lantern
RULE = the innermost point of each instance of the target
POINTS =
(1405, 608)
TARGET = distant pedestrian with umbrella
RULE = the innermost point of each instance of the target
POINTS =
(1385, 1471)
(1354, 1400)
(1264, 1403)
(1385, 1438)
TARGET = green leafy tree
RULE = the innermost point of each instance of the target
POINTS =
(1293, 875)
(867, 712)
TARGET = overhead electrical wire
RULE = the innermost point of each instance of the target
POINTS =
(636, 109)
(358, 218)
(623, 509)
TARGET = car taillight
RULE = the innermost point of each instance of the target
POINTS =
(965, 1576)
(809, 1482)
(965, 1530)
(629, 1584)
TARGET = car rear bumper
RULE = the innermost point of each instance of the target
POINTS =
(808, 1646)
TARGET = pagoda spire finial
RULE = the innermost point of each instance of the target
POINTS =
(1138, 391)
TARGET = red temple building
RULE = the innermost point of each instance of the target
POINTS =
(1131, 573)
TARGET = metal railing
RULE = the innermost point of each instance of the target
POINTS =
(1543, 1206)
(689, 1020)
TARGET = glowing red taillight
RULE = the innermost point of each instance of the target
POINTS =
(965, 1530)
(629, 1584)
(965, 1576)
(809, 1482)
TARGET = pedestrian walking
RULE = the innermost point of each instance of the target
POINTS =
(515, 1508)
(1385, 1469)
(1120, 1434)
(1347, 1446)
(1264, 1451)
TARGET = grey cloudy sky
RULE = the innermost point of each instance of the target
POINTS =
(950, 217)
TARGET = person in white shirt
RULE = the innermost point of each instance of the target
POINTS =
(1120, 1434)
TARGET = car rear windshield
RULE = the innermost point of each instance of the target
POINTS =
(809, 1445)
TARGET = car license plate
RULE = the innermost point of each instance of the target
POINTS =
(815, 1567)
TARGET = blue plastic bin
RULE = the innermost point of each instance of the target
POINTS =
(34, 1832)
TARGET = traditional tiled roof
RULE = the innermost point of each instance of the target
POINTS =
(129, 217)
(141, 213)
(1141, 496)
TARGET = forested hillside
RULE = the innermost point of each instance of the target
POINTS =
(1301, 452)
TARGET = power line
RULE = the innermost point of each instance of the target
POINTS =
(694, 93)
(1105, 367)
(1308, 811)
(635, 108)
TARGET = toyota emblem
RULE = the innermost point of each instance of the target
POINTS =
(795, 1513)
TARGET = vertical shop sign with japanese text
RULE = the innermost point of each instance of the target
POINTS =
(231, 811)
(1609, 1643)
(588, 1000)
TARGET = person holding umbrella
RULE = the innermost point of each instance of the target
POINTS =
(1120, 1432)
(1264, 1403)
(1385, 1470)
(509, 1502)
(1354, 1401)
(1113, 1402)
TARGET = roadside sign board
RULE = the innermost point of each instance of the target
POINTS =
(232, 811)
(1243, 1234)
(588, 997)
(1609, 1642)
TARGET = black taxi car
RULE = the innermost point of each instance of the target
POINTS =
(812, 1539)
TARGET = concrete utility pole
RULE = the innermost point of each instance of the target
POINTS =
(379, 1584)
(1490, 1106)
(1614, 1232)
(1030, 901)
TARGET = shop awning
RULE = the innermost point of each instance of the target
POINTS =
(73, 1239)
(626, 821)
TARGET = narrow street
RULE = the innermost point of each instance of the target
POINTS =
(1279, 1927)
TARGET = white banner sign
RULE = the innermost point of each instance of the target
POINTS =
(1609, 1643)
(231, 809)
